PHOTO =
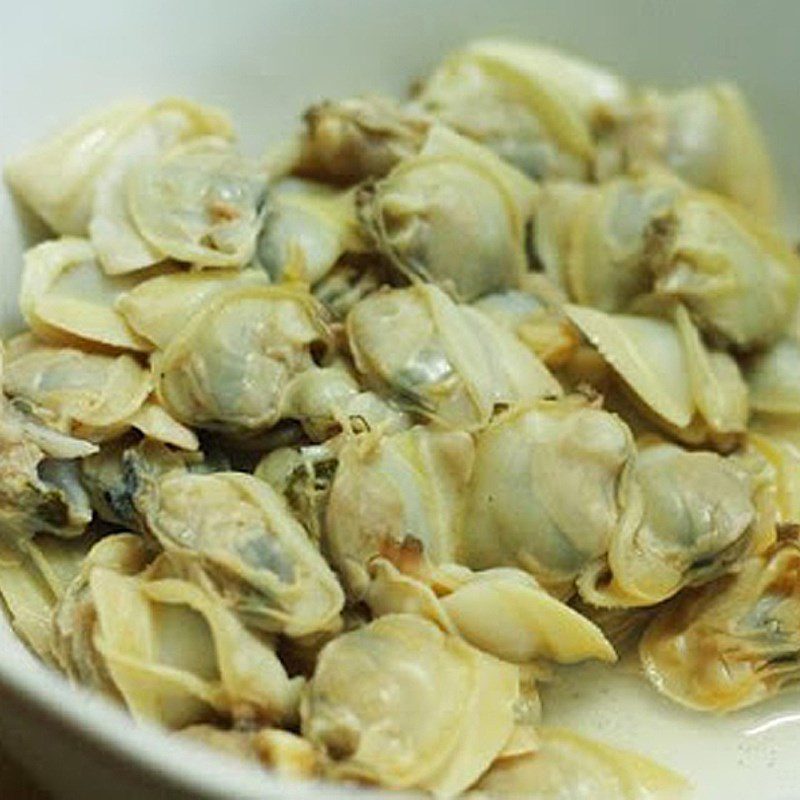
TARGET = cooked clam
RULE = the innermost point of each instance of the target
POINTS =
(594, 240)
(399, 496)
(113, 230)
(231, 366)
(449, 363)
(708, 137)
(326, 400)
(352, 140)
(734, 642)
(699, 516)
(87, 394)
(201, 203)
(307, 228)
(159, 308)
(401, 704)
(503, 612)
(33, 578)
(453, 214)
(39, 493)
(538, 108)
(59, 178)
(567, 766)
(74, 615)
(122, 472)
(170, 649)
(544, 329)
(737, 277)
(303, 475)
(651, 235)
(240, 532)
(66, 298)
(648, 356)
(694, 393)
(40, 490)
(550, 487)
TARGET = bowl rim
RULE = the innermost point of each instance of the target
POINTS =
(150, 749)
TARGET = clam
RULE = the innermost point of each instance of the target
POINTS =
(308, 226)
(88, 394)
(549, 489)
(120, 245)
(62, 178)
(117, 476)
(159, 307)
(399, 496)
(737, 277)
(201, 203)
(599, 244)
(240, 532)
(231, 366)
(449, 363)
(734, 642)
(453, 214)
(566, 765)
(33, 578)
(74, 615)
(502, 612)
(40, 490)
(536, 107)
(169, 649)
(326, 400)
(707, 136)
(773, 379)
(692, 392)
(67, 299)
(650, 237)
(542, 328)
(303, 475)
(401, 704)
(38, 493)
(351, 140)
(699, 517)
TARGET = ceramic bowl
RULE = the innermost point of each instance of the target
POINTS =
(264, 61)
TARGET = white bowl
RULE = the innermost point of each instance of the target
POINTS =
(264, 61)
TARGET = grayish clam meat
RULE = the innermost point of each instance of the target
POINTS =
(453, 364)
(351, 140)
(697, 515)
(537, 108)
(201, 380)
(398, 495)
(170, 648)
(395, 703)
(454, 214)
(734, 642)
(239, 531)
(528, 465)
(329, 459)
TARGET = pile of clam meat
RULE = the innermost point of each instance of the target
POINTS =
(330, 458)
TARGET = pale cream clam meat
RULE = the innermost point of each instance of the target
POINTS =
(330, 456)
